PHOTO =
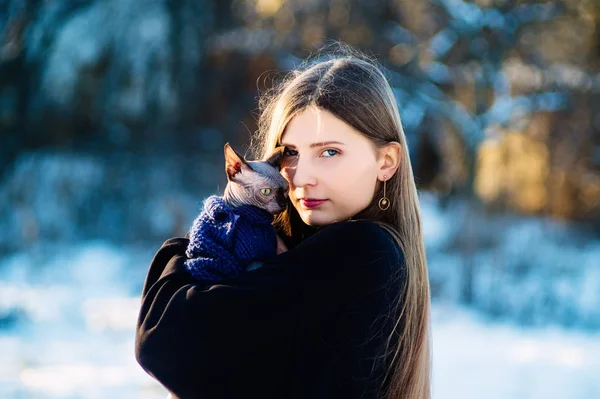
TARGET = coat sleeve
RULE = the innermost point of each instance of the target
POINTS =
(197, 339)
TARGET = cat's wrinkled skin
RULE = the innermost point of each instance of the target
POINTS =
(257, 183)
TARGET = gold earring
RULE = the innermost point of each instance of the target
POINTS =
(384, 202)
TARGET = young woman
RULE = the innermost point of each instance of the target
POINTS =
(343, 310)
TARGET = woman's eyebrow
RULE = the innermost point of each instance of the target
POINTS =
(313, 145)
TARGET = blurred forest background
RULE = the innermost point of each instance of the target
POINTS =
(113, 116)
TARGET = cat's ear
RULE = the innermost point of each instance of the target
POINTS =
(274, 159)
(234, 163)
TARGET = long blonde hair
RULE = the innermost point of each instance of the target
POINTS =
(350, 85)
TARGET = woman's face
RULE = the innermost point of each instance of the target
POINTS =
(331, 168)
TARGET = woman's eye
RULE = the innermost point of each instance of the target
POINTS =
(293, 153)
(289, 153)
(265, 191)
(330, 154)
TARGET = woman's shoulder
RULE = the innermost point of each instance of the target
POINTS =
(174, 246)
(174, 243)
(354, 248)
(356, 236)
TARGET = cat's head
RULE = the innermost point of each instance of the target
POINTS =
(257, 183)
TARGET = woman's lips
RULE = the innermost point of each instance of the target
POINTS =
(311, 203)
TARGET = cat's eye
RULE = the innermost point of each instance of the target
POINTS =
(265, 191)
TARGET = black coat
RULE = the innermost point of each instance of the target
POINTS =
(310, 323)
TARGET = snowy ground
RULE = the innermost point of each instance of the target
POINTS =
(66, 331)
(476, 359)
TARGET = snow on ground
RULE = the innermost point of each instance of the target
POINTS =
(67, 327)
(476, 359)
(67, 331)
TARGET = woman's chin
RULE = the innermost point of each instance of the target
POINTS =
(316, 218)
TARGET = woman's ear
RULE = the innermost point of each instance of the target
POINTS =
(389, 159)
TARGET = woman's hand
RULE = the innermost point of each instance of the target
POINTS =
(281, 247)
